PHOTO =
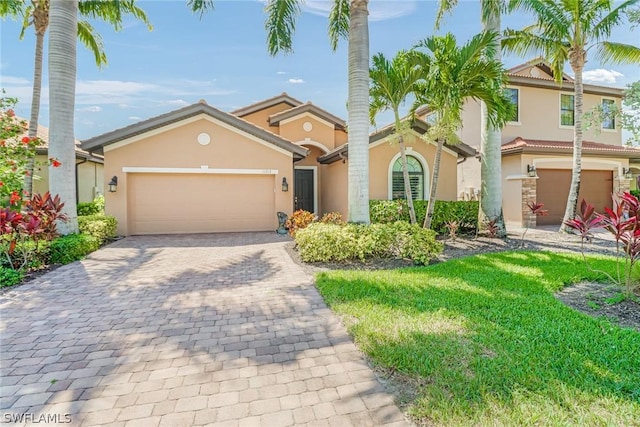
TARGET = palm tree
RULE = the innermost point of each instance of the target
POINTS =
(62, 90)
(450, 75)
(347, 18)
(565, 32)
(37, 14)
(391, 83)
(490, 138)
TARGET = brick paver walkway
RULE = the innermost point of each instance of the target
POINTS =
(183, 331)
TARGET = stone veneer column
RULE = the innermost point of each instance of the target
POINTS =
(620, 184)
(528, 195)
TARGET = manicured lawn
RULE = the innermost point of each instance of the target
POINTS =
(488, 344)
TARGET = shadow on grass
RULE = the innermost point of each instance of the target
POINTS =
(491, 342)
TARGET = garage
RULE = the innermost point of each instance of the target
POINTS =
(200, 203)
(552, 189)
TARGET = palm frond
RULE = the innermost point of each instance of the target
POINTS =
(602, 29)
(113, 11)
(338, 22)
(92, 40)
(445, 7)
(617, 53)
(201, 6)
(281, 24)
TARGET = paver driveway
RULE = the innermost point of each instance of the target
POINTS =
(183, 331)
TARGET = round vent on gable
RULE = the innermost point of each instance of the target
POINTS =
(307, 126)
(204, 138)
(534, 72)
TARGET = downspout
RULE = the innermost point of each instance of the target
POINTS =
(77, 186)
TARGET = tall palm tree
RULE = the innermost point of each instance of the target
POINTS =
(450, 75)
(63, 16)
(36, 14)
(490, 137)
(347, 18)
(567, 31)
(391, 83)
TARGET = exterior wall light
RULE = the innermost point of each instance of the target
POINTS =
(113, 184)
(285, 184)
(531, 171)
(627, 173)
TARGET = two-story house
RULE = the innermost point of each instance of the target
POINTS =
(537, 147)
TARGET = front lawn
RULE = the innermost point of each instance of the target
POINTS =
(484, 342)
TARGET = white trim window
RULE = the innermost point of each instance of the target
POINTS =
(514, 96)
(567, 109)
(416, 178)
(608, 118)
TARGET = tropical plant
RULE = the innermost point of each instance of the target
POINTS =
(36, 14)
(536, 209)
(564, 32)
(449, 76)
(391, 83)
(348, 18)
(298, 220)
(491, 137)
(623, 222)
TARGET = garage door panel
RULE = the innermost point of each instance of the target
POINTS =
(552, 189)
(200, 203)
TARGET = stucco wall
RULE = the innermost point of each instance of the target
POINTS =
(178, 148)
(90, 179)
(261, 118)
(334, 188)
(321, 131)
(512, 174)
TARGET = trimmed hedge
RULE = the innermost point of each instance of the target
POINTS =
(332, 242)
(95, 207)
(100, 226)
(9, 277)
(464, 212)
(72, 247)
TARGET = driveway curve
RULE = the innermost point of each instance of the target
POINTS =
(220, 329)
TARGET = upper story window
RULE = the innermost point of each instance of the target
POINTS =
(608, 118)
(566, 110)
(514, 96)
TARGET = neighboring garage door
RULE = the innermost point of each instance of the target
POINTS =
(552, 189)
(200, 203)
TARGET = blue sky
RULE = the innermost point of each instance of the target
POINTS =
(222, 58)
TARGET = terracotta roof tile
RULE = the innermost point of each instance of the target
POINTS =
(587, 146)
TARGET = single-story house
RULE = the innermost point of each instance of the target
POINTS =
(199, 169)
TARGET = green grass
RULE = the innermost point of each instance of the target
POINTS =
(489, 343)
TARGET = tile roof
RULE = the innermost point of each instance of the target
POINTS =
(520, 144)
(308, 107)
(266, 103)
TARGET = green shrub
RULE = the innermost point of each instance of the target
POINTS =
(463, 212)
(26, 252)
(91, 208)
(635, 193)
(331, 242)
(9, 277)
(101, 226)
(72, 247)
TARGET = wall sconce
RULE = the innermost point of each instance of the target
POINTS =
(113, 184)
(627, 173)
(531, 171)
(285, 184)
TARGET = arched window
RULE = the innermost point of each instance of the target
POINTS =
(416, 178)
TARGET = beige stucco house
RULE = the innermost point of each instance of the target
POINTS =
(199, 169)
(88, 170)
(537, 147)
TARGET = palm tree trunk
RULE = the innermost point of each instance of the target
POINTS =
(62, 88)
(577, 60)
(358, 112)
(491, 155)
(35, 106)
(405, 176)
(434, 184)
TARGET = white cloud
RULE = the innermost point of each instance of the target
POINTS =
(135, 118)
(601, 75)
(379, 10)
(296, 81)
(12, 80)
(175, 102)
(91, 109)
(281, 72)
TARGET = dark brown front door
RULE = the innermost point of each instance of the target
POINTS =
(552, 189)
(304, 191)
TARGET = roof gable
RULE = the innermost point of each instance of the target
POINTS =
(99, 142)
(310, 108)
(537, 68)
(522, 145)
(283, 98)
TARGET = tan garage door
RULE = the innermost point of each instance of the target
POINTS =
(552, 189)
(200, 203)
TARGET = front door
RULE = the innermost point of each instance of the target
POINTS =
(304, 191)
